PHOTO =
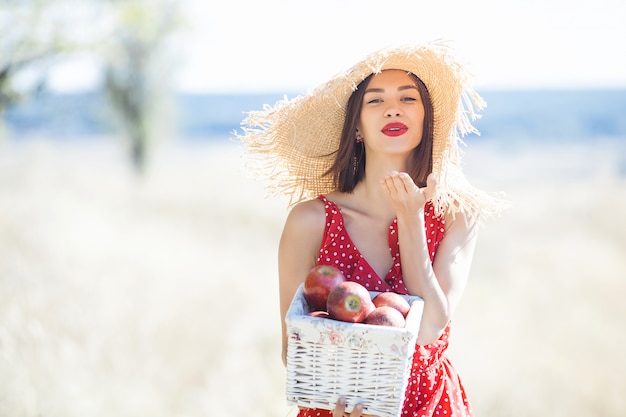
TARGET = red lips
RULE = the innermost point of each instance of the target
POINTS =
(394, 129)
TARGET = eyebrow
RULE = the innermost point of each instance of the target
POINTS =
(382, 90)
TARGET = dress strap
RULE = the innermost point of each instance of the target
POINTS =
(323, 198)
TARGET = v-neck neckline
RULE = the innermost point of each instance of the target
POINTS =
(391, 230)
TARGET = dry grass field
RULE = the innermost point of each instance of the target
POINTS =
(157, 296)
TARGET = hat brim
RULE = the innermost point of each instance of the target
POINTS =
(297, 139)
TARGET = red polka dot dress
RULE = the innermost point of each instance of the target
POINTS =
(434, 388)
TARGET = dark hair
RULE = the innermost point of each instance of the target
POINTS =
(349, 166)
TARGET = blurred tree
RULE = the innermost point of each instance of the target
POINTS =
(131, 41)
(29, 40)
(139, 63)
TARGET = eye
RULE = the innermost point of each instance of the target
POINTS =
(409, 99)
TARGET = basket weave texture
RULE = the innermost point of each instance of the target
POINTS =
(363, 363)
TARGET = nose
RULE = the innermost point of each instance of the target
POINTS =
(393, 111)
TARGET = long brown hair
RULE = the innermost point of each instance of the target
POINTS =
(349, 166)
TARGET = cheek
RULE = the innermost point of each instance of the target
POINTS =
(419, 118)
(419, 129)
(418, 135)
(362, 125)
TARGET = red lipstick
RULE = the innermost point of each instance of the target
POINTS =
(394, 129)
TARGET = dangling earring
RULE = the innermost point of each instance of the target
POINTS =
(359, 138)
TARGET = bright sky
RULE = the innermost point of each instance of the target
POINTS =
(294, 45)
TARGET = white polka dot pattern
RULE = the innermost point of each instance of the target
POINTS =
(434, 387)
(339, 250)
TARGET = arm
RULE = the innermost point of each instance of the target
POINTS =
(297, 253)
(440, 284)
(451, 269)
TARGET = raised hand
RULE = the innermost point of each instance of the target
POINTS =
(405, 195)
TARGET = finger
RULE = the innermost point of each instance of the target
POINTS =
(398, 182)
(389, 184)
(340, 407)
(407, 181)
(357, 411)
(431, 180)
(389, 176)
(431, 186)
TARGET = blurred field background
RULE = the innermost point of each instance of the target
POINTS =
(138, 256)
(129, 297)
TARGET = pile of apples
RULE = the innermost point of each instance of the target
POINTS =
(330, 295)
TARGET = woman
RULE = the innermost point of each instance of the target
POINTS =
(374, 155)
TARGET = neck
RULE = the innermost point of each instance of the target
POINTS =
(371, 189)
(377, 168)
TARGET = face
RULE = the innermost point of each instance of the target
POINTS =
(392, 116)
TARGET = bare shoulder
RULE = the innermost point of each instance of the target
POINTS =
(303, 233)
(307, 216)
(461, 225)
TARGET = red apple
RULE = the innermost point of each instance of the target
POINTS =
(318, 283)
(349, 301)
(385, 316)
(394, 300)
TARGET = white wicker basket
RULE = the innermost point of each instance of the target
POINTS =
(363, 363)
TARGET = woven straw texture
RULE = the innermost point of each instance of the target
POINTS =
(294, 143)
(366, 364)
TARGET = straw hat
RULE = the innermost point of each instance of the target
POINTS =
(294, 142)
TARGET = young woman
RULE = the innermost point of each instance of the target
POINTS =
(373, 154)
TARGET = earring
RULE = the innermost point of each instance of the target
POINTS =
(359, 138)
